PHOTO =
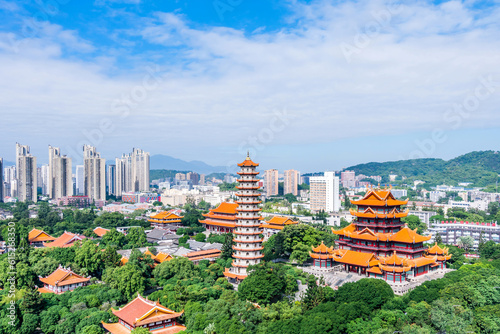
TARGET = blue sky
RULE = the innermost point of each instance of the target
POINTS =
(308, 85)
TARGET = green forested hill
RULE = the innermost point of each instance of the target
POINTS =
(481, 168)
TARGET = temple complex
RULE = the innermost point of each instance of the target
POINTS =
(165, 220)
(221, 219)
(248, 239)
(378, 244)
(274, 225)
(37, 238)
(142, 312)
(62, 280)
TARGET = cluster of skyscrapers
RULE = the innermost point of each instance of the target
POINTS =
(324, 190)
(56, 180)
(291, 181)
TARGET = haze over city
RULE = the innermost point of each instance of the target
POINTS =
(311, 85)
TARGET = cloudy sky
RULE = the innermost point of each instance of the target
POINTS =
(309, 85)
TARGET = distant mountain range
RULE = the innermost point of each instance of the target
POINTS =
(481, 168)
(160, 161)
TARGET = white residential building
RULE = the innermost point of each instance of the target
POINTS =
(435, 196)
(132, 172)
(398, 193)
(324, 193)
(60, 174)
(424, 216)
(348, 179)
(111, 179)
(80, 180)
(271, 182)
(26, 174)
(291, 182)
(94, 173)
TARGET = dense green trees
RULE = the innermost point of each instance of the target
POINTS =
(480, 168)
(267, 283)
(415, 223)
(191, 216)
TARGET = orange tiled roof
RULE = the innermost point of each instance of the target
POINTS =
(62, 276)
(123, 261)
(138, 311)
(248, 163)
(115, 328)
(322, 248)
(211, 252)
(118, 328)
(379, 197)
(319, 256)
(100, 231)
(356, 258)
(436, 250)
(45, 290)
(39, 235)
(273, 227)
(278, 220)
(162, 257)
(211, 215)
(370, 213)
(227, 273)
(226, 207)
(170, 330)
(348, 229)
(65, 240)
(394, 259)
(147, 252)
(375, 270)
(216, 223)
(407, 235)
(444, 257)
(165, 215)
(422, 261)
(395, 269)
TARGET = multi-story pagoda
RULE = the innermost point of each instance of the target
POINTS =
(378, 244)
(248, 233)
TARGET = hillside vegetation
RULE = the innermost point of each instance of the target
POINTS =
(480, 168)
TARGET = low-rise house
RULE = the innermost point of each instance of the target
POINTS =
(209, 254)
(62, 280)
(274, 225)
(162, 236)
(37, 238)
(142, 312)
(68, 239)
(165, 219)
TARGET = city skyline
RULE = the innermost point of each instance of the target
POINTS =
(424, 76)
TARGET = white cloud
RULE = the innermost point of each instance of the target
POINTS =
(221, 85)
